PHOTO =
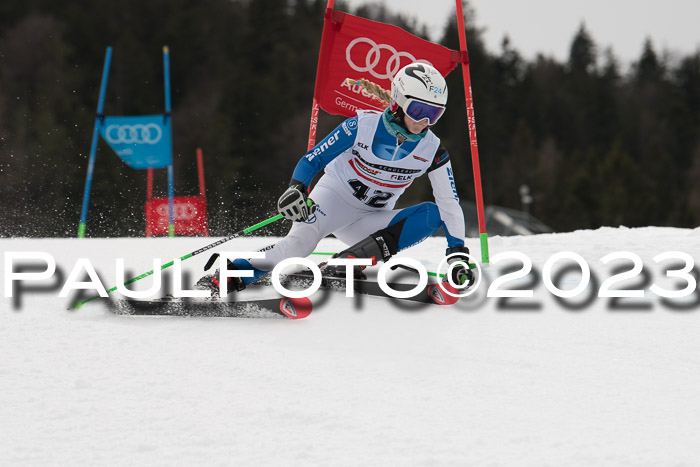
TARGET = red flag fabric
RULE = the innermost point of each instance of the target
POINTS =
(190, 216)
(355, 48)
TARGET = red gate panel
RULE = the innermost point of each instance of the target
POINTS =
(190, 216)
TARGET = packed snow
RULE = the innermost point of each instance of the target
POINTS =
(541, 381)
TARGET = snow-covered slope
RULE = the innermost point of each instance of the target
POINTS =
(363, 381)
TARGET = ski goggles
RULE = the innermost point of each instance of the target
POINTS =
(419, 110)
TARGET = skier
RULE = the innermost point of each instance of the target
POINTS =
(370, 160)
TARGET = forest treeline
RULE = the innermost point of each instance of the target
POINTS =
(596, 144)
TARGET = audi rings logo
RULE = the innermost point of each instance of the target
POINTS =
(373, 59)
(149, 133)
(181, 211)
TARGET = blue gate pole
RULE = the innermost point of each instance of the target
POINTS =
(93, 146)
(171, 189)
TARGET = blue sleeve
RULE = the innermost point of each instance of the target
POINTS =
(337, 141)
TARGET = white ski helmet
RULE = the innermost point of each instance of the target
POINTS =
(421, 92)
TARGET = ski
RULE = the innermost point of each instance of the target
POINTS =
(432, 294)
(279, 307)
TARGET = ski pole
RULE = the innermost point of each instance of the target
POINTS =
(78, 304)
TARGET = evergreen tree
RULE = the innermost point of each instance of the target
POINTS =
(597, 146)
(582, 54)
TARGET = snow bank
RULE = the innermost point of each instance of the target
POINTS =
(363, 381)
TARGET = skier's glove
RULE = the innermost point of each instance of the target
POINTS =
(294, 204)
(461, 274)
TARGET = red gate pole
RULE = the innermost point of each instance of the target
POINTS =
(471, 121)
(200, 172)
(314, 107)
(149, 185)
(149, 198)
(202, 190)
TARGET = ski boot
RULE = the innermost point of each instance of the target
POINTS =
(374, 247)
(212, 282)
